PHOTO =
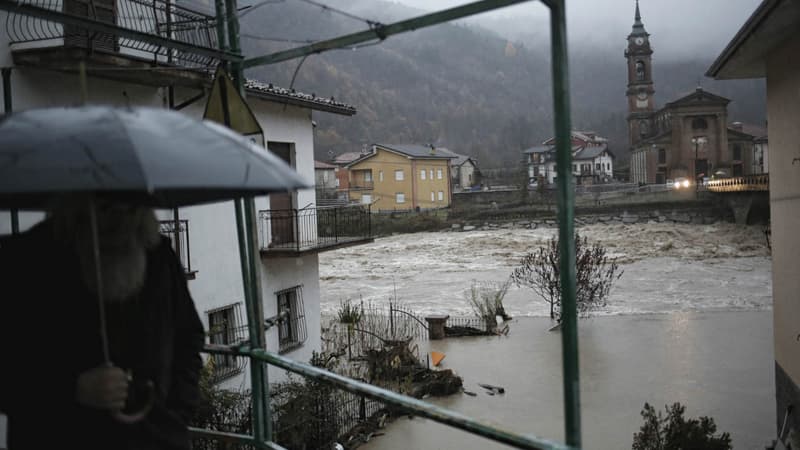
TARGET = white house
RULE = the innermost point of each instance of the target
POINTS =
(463, 170)
(43, 72)
(592, 161)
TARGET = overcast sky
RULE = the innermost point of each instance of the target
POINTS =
(679, 28)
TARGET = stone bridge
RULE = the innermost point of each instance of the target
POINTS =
(742, 194)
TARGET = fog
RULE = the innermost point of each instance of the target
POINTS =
(680, 28)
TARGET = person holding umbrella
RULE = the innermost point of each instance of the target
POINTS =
(152, 362)
(99, 336)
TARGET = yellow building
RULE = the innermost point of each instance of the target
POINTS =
(401, 177)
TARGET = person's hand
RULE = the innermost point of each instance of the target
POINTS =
(103, 387)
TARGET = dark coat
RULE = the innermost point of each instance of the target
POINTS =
(49, 334)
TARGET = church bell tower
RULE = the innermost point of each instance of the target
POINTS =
(640, 82)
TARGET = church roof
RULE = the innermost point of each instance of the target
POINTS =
(699, 96)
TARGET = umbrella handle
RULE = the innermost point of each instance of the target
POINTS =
(137, 416)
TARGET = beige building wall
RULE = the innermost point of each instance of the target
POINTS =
(783, 106)
(389, 193)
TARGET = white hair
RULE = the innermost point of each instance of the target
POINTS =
(124, 232)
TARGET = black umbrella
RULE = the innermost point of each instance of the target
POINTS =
(163, 157)
(154, 157)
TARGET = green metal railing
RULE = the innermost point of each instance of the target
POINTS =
(572, 426)
(230, 51)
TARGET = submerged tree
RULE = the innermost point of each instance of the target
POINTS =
(674, 432)
(595, 273)
(486, 300)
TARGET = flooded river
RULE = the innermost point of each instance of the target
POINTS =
(689, 321)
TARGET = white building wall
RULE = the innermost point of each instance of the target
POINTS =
(212, 229)
(606, 166)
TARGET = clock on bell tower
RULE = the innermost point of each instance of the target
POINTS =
(640, 81)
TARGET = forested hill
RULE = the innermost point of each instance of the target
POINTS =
(460, 86)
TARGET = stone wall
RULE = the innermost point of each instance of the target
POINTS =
(696, 215)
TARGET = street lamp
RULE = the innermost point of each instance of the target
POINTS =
(697, 140)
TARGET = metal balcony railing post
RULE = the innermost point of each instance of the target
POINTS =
(335, 225)
(566, 205)
(188, 251)
(296, 217)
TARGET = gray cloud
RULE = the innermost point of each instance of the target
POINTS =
(679, 28)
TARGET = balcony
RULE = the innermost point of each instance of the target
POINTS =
(143, 41)
(179, 234)
(294, 232)
(361, 185)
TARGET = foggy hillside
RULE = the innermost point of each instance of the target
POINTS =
(461, 86)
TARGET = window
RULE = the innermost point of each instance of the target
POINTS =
(433, 196)
(439, 174)
(737, 152)
(441, 196)
(398, 175)
(431, 173)
(225, 327)
(699, 123)
(400, 197)
(337, 182)
(597, 166)
(325, 176)
(662, 156)
(639, 71)
(368, 176)
(574, 167)
(292, 323)
(380, 176)
(422, 174)
(366, 199)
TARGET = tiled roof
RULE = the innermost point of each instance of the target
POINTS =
(323, 165)
(417, 151)
(459, 160)
(749, 128)
(591, 152)
(538, 149)
(347, 157)
(292, 97)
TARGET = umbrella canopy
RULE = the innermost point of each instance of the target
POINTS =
(159, 157)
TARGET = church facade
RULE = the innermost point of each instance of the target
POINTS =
(689, 137)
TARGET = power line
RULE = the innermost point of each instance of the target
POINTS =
(371, 23)
(276, 39)
(245, 10)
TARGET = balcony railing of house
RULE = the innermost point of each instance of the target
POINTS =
(293, 231)
(155, 30)
(179, 235)
(361, 185)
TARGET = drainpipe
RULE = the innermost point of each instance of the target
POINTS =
(7, 108)
(413, 185)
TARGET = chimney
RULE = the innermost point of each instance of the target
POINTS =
(737, 126)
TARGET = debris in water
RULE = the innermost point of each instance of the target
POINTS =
(436, 358)
(493, 389)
